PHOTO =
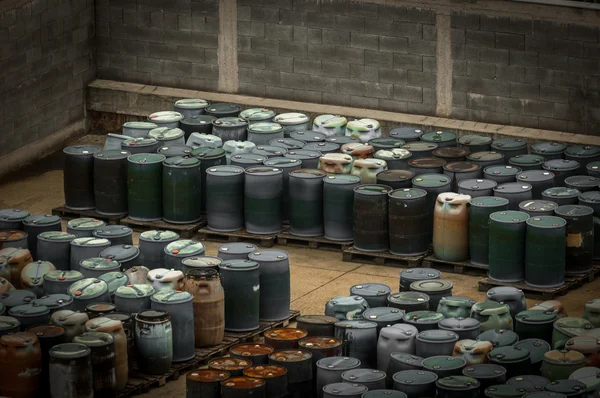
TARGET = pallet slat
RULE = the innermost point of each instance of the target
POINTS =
(457, 267)
(381, 258)
(237, 236)
(316, 242)
(185, 231)
(68, 214)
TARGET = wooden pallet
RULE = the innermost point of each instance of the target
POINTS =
(69, 214)
(381, 258)
(571, 283)
(185, 231)
(456, 267)
(237, 236)
(140, 383)
(316, 242)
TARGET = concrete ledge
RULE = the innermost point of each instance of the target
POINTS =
(138, 100)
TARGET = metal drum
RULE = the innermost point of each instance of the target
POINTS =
(460, 171)
(293, 122)
(205, 383)
(299, 370)
(510, 147)
(479, 226)
(180, 307)
(457, 386)
(97, 310)
(274, 270)
(593, 169)
(310, 159)
(154, 341)
(443, 139)
(235, 250)
(167, 136)
(486, 374)
(549, 150)
(289, 144)
(263, 189)
(132, 299)
(308, 136)
(274, 376)
(330, 125)
(12, 218)
(247, 160)
(396, 179)
(21, 363)
(498, 337)
(188, 107)
(83, 227)
(102, 347)
(408, 276)
(561, 195)
(268, 151)
(35, 224)
(79, 176)
(371, 218)
(433, 184)
(197, 124)
(175, 150)
(475, 143)
(396, 159)
(13, 298)
(114, 280)
(464, 328)
(241, 282)
(527, 162)
(176, 251)
(385, 143)
(140, 145)
(515, 192)
(55, 247)
(486, 158)
(415, 383)
(451, 154)
(375, 294)
(539, 181)
(127, 255)
(137, 129)
(406, 133)
(582, 183)
(84, 248)
(70, 371)
(284, 338)
(583, 154)
(436, 289)
(256, 353)
(13, 238)
(360, 340)
(144, 188)
(476, 188)
(306, 202)
(230, 128)
(48, 336)
(233, 148)
(580, 237)
(181, 190)
(373, 379)
(329, 371)
(420, 149)
(224, 198)
(223, 109)
(317, 325)
(535, 324)
(444, 366)
(30, 314)
(592, 199)
(110, 181)
(507, 232)
(562, 169)
(537, 208)
(286, 165)
(59, 281)
(408, 214)
(338, 206)
(261, 133)
(116, 234)
(88, 290)
(346, 307)
(383, 316)
(32, 276)
(502, 173)
(430, 165)
(152, 245)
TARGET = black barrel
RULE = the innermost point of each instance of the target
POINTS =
(408, 221)
(537, 208)
(395, 179)
(197, 124)
(225, 198)
(527, 162)
(540, 180)
(545, 251)
(263, 190)
(515, 192)
(510, 147)
(306, 202)
(461, 171)
(507, 245)
(247, 160)
(35, 224)
(181, 189)
(592, 199)
(144, 186)
(428, 165)
(406, 133)
(209, 157)
(583, 183)
(580, 237)
(561, 195)
(479, 226)
(475, 143)
(116, 234)
(55, 247)
(583, 154)
(205, 383)
(486, 158)
(562, 169)
(275, 376)
(371, 218)
(110, 182)
(241, 283)
(79, 176)
(102, 347)
(338, 206)
(433, 184)
(549, 150)
(71, 374)
(310, 159)
(274, 268)
(286, 165)
(476, 187)
(299, 370)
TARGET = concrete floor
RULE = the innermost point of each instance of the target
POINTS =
(316, 275)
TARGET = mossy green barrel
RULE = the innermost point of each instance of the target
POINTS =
(209, 157)
(479, 226)
(144, 186)
(306, 202)
(225, 198)
(263, 191)
(110, 181)
(507, 245)
(371, 218)
(408, 222)
(182, 189)
(580, 237)
(545, 251)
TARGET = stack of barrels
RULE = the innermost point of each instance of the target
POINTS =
(79, 307)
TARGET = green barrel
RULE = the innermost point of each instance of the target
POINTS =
(527, 162)
(433, 184)
(420, 149)
(209, 157)
(507, 245)
(144, 186)
(583, 183)
(408, 222)
(479, 226)
(580, 237)
(371, 218)
(443, 139)
(110, 181)
(539, 181)
(338, 206)
(263, 191)
(386, 143)
(306, 202)
(561, 195)
(549, 150)
(225, 198)
(475, 143)
(583, 154)
(562, 169)
(510, 147)
(181, 189)
(286, 165)
(531, 324)
(241, 283)
(545, 251)
(592, 199)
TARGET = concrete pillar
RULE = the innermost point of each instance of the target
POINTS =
(444, 64)
(227, 52)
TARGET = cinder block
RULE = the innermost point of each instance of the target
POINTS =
(408, 62)
(570, 48)
(307, 66)
(567, 112)
(263, 76)
(350, 87)
(394, 76)
(429, 64)
(495, 55)
(210, 56)
(335, 37)
(465, 21)
(252, 89)
(393, 105)
(350, 55)
(583, 98)
(524, 121)
(350, 8)
(421, 79)
(265, 14)
(393, 44)
(538, 108)
(148, 35)
(319, 20)
(422, 47)
(480, 86)
(80, 34)
(408, 93)
(552, 124)
(275, 62)
(245, 75)
(584, 66)
(408, 29)
(510, 105)
(479, 38)
(523, 58)
(243, 13)
(539, 44)
(321, 51)
(583, 33)
(354, 24)
(365, 73)
(121, 61)
(379, 59)
(184, 22)
(151, 65)
(299, 34)
(459, 99)
(459, 67)
(308, 96)
(306, 5)
(171, 20)
(429, 32)
(556, 62)
(264, 46)
(521, 26)
(178, 68)
(458, 36)
(379, 90)
(550, 29)
(131, 47)
(136, 77)
(294, 80)
(524, 91)
(163, 51)
(539, 76)
(335, 69)
(293, 50)
(364, 41)
(493, 23)
(510, 41)
(206, 40)
(512, 73)
(364, 102)
(205, 71)
(481, 70)
(336, 99)
(382, 27)
(178, 37)
(321, 83)
(480, 102)
(291, 17)
(314, 36)
(243, 44)
(116, 15)
(591, 50)
(251, 60)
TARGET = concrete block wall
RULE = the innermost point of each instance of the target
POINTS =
(166, 43)
(47, 61)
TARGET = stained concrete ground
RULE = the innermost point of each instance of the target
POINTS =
(316, 275)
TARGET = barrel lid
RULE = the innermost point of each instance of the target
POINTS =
(473, 140)
(509, 143)
(538, 205)
(329, 121)
(19, 339)
(103, 324)
(175, 150)
(438, 336)
(223, 107)
(112, 231)
(546, 222)
(394, 175)
(544, 394)
(153, 316)
(265, 371)
(88, 288)
(513, 187)
(249, 158)
(442, 362)
(251, 350)
(291, 118)
(146, 158)
(237, 248)
(308, 174)
(499, 337)
(505, 391)
(69, 351)
(393, 154)
(198, 120)
(459, 323)
(121, 253)
(191, 103)
(591, 197)
(408, 193)
(201, 261)
(238, 265)
(451, 152)
(588, 375)
(9, 235)
(303, 154)
(415, 377)
(582, 181)
(287, 143)
(155, 235)
(263, 171)
(56, 236)
(427, 163)
(372, 190)
(135, 291)
(535, 176)
(383, 314)
(406, 132)
(529, 383)
(285, 334)
(8, 322)
(41, 219)
(99, 263)
(207, 375)
(592, 166)
(477, 184)
(527, 160)
(359, 375)
(63, 276)
(567, 387)
(488, 307)
(431, 286)
(370, 289)
(229, 363)
(572, 326)
(387, 142)
(423, 317)
(548, 148)
(564, 357)
(508, 354)
(69, 318)
(257, 114)
(560, 192)
(182, 161)
(13, 298)
(165, 117)
(81, 150)
(484, 371)
(348, 324)
(225, 170)
(184, 248)
(485, 156)
(33, 273)
(561, 165)
(94, 339)
(342, 179)
(264, 127)
(489, 201)
(336, 159)
(438, 136)
(268, 150)
(417, 146)
(139, 125)
(363, 125)
(338, 363)
(345, 389)
(138, 142)
(582, 151)
(269, 255)
(208, 153)
(165, 133)
(171, 296)
(26, 310)
(461, 167)
(13, 214)
(502, 170)
(47, 331)
(460, 383)
(230, 122)
(322, 146)
(431, 180)
(85, 223)
(408, 298)
(574, 211)
(342, 139)
(457, 301)
(54, 301)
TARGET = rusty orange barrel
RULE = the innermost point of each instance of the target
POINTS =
(284, 338)
(20, 365)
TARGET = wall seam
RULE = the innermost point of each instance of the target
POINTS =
(443, 51)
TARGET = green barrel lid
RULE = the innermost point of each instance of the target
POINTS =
(431, 286)
(342, 179)
(546, 222)
(208, 153)
(561, 192)
(438, 136)
(474, 140)
(182, 161)
(69, 351)
(535, 176)
(538, 205)
(561, 165)
(254, 114)
(34, 272)
(359, 375)
(139, 125)
(458, 301)
(88, 241)
(288, 143)
(223, 107)
(139, 142)
(477, 184)
(486, 308)
(582, 181)
(85, 223)
(485, 156)
(406, 132)
(199, 120)
(184, 248)
(437, 336)
(370, 290)
(268, 150)
(63, 276)
(442, 362)
(165, 133)
(238, 265)
(54, 301)
(408, 298)
(408, 193)
(567, 387)
(56, 236)
(121, 253)
(415, 377)
(387, 142)
(582, 151)
(431, 180)
(291, 118)
(460, 383)
(172, 296)
(269, 255)
(489, 201)
(509, 216)
(165, 117)
(309, 174)
(393, 154)
(225, 170)
(81, 150)
(542, 148)
(13, 214)
(509, 143)
(499, 337)
(230, 122)
(114, 280)
(527, 160)
(155, 235)
(537, 348)
(308, 136)
(570, 211)
(26, 310)
(112, 231)
(88, 288)
(41, 219)
(264, 127)
(94, 339)
(509, 354)
(505, 391)
(149, 158)
(423, 317)
(191, 103)
(175, 150)
(99, 263)
(372, 190)
(420, 146)
(330, 121)
(484, 371)
(302, 154)
(502, 170)
(574, 323)
(342, 139)
(513, 187)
